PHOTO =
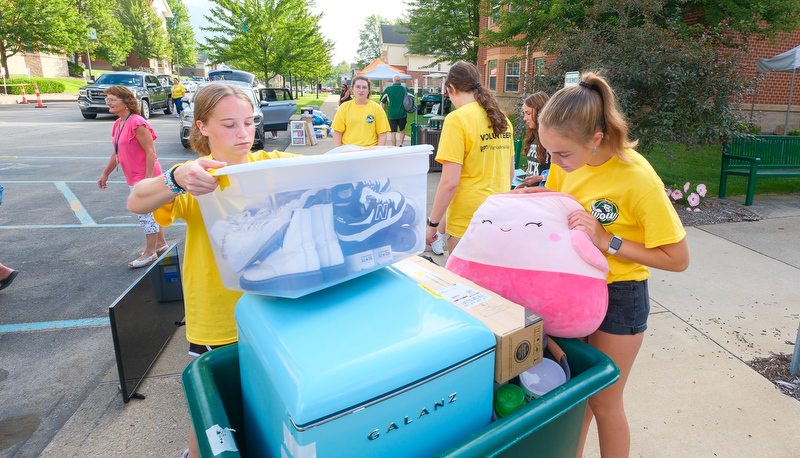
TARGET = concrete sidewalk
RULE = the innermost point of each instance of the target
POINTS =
(690, 393)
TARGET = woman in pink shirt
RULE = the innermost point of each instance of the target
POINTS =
(135, 152)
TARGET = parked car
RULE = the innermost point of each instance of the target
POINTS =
(191, 84)
(187, 115)
(150, 93)
(232, 75)
(280, 109)
(165, 80)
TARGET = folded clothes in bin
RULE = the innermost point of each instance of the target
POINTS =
(288, 227)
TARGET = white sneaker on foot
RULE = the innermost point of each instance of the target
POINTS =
(437, 246)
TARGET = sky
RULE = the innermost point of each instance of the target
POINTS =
(340, 23)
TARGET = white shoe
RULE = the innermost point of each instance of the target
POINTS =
(325, 239)
(294, 266)
(274, 137)
(437, 246)
(251, 234)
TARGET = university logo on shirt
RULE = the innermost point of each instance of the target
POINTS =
(605, 210)
(370, 119)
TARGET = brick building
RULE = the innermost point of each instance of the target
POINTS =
(506, 70)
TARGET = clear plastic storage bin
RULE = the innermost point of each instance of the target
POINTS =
(291, 226)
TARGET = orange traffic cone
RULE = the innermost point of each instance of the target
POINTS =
(24, 100)
(38, 97)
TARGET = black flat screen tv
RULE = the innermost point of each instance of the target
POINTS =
(143, 319)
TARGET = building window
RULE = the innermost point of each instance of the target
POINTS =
(495, 13)
(493, 75)
(538, 66)
(512, 76)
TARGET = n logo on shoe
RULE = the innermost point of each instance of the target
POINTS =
(382, 212)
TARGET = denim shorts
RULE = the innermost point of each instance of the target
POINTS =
(628, 308)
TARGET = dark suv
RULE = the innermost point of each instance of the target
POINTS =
(148, 90)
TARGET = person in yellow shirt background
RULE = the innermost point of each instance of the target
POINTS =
(178, 91)
(360, 121)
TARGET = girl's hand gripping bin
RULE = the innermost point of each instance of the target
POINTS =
(376, 366)
(291, 226)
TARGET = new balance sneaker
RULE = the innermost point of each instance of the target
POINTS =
(293, 267)
(250, 235)
(347, 193)
(364, 225)
(437, 246)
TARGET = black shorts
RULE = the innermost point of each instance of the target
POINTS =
(395, 123)
(197, 349)
(628, 308)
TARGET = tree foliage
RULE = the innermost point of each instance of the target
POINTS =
(447, 29)
(265, 37)
(674, 65)
(181, 35)
(369, 40)
(39, 25)
(114, 41)
(149, 39)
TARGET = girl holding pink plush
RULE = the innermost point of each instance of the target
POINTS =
(627, 215)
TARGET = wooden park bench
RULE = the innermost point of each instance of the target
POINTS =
(764, 156)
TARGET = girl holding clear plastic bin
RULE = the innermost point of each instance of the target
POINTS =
(223, 133)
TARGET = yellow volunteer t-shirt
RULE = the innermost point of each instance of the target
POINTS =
(178, 91)
(209, 305)
(486, 160)
(628, 198)
(360, 125)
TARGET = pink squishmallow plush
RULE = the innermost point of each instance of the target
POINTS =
(520, 247)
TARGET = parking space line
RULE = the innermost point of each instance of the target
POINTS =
(71, 226)
(75, 204)
(53, 325)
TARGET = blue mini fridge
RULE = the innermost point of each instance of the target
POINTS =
(375, 366)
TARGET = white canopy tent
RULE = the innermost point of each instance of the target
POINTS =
(384, 72)
(788, 61)
(443, 76)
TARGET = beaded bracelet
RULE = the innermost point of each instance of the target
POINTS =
(169, 180)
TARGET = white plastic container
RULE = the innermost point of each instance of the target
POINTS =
(541, 379)
(291, 226)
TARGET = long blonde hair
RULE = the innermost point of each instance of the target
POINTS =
(580, 111)
(204, 104)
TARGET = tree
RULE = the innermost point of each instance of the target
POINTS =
(265, 37)
(369, 44)
(114, 41)
(39, 25)
(451, 40)
(149, 40)
(181, 35)
(673, 65)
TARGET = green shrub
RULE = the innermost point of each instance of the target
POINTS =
(754, 130)
(75, 70)
(794, 133)
(46, 86)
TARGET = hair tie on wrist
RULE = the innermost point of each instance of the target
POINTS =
(169, 180)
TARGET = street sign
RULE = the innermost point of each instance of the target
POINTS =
(93, 35)
(571, 79)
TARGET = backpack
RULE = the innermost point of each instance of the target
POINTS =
(408, 103)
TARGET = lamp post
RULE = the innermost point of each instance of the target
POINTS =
(92, 37)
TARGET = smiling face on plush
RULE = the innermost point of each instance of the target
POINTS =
(520, 247)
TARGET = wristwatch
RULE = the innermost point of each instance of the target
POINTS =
(431, 224)
(614, 244)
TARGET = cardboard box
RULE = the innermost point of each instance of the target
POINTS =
(310, 135)
(518, 331)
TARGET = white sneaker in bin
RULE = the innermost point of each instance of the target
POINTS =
(249, 235)
(437, 246)
(293, 266)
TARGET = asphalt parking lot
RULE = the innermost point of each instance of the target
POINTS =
(71, 243)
